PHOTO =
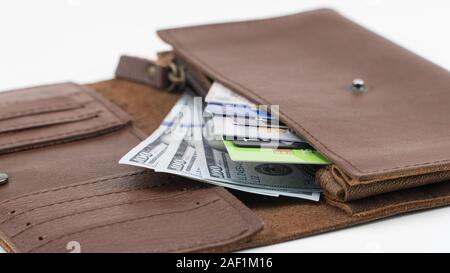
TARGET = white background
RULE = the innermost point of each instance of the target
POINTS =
(49, 41)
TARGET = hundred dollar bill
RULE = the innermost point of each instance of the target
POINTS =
(281, 179)
(181, 159)
(222, 95)
(217, 165)
(149, 151)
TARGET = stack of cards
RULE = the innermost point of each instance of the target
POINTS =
(251, 133)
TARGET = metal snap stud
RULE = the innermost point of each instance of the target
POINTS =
(151, 71)
(3, 178)
(358, 85)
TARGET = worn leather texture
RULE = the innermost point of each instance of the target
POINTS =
(80, 193)
(66, 187)
(284, 218)
(305, 63)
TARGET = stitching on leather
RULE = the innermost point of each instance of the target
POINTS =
(76, 199)
(237, 207)
(186, 246)
(176, 42)
(104, 207)
(60, 106)
(75, 185)
(125, 221)
(86, 130)
(43, 122)
(114, 109)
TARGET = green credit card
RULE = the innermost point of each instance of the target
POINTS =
(293, 156)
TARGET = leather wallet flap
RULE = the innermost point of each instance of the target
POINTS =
(306, 63)
(137, 211)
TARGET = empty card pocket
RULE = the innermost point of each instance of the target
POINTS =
(16, 109)
(140, 211)
(44, 112)
(53, 114)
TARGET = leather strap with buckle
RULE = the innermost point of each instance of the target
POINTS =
(164, 73)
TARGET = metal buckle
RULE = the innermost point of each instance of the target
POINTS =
(177, 77)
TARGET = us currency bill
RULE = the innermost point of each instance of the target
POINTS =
(280, 179)
(178, 147)
(181, 159)
(222, 95)
(188, 157)
(216, 164)
(149, 151)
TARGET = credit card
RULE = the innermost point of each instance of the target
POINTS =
(259, 143)
(255, 122)
(224, 126)
(292, 156)
(236, 111)
(219, 94)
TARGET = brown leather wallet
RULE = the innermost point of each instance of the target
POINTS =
(376, 110)
(380, 138)
(59, 146)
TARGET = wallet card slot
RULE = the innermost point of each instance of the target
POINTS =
(19, 205)
(17, 109)
(60, 113)
(47, 119)
(115, 217)
(104, 202)
(164, 214)
(90, 203)
(29, 211)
